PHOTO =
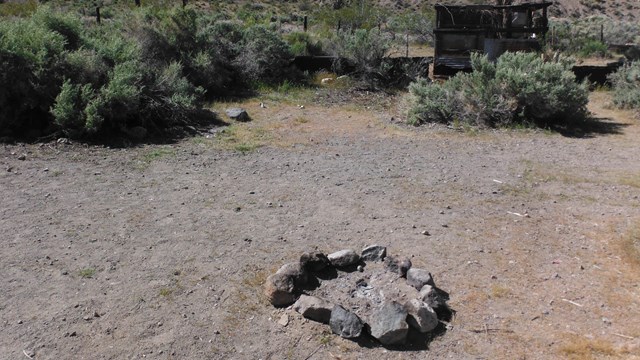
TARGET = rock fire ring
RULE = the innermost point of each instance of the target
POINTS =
(361, 294)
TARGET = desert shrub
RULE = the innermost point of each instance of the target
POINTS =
(582, 36)
(301, 43)
(518, 88)
(593, 48)
(365, 49)
(30, 61)
(264, 56)
(418, 25)
(626, 86)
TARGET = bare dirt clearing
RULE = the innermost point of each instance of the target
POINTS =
(160, 251)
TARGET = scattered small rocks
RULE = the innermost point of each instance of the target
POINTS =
(375, 304)
(343, 258)
(345, 323)
(238, 114)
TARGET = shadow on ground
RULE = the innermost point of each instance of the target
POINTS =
(590, 128)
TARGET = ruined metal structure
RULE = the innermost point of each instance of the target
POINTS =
(489, 29)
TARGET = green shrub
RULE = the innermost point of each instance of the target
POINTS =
(301, 43)
(518, 88)
(366, 49)
(593, 48)
(626, 86)
(264, 56)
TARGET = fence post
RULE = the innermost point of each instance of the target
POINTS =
(407, 40)
(184, 3)
(602, 33)
(137, 3)
(98, 14)
(304, 24)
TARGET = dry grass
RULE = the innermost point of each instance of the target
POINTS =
(577, 347)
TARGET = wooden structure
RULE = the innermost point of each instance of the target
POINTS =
(489, 29)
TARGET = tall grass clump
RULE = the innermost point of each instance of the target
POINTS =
(518, 88)
(626, 86)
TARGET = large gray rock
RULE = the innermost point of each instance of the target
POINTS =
(343, 258)
(389, 324)
(374, 253)
(421, 316)
(314, 261)
(396, 265)
(345, 323)
(296, 272)
(314, 308)
(430, 295)
(238, 114)
(419, 278)
(279, 290)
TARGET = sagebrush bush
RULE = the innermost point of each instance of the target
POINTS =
(366, 50)
(518, 88)
(150, 67)
(626, 86)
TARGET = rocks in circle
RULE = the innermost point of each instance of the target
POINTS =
(343, 258)
(345, 323)
(420, 316)
(279, 289)
(238, 114)
(419, 278)
(388, 313)
(314, 261)
(430, 295)
(296, 272)
(389, 324)
(314, 308)
(374, 253)
(399, 266)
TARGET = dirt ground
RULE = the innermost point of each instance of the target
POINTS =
(160, 251)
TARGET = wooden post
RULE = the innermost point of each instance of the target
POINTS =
(602, 33)
(137, 3)
(184, 3)
(339, 23)
(407, 41)
(304, 24)
(98, 14)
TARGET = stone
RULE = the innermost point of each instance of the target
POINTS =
(420, 316)
(343, 258)
(314, 308)
(296, 272)
(374, 253)
(389, 324)
(284, 320)
(22, 157)
(345, 323)
(430, 295)
(279, 289)
(419, 278)
(399, 266)
(238, 114)
(314, 261)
